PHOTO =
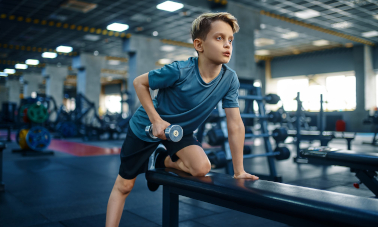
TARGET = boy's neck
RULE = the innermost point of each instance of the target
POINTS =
(207, 69)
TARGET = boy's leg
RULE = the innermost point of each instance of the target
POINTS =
(121, 189)
(192, 159)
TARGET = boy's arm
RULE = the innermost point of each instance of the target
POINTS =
(142, 90)
(236, 137)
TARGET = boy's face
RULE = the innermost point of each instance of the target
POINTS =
(218, 44)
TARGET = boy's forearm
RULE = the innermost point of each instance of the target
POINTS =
(236, 136)
(143, 93)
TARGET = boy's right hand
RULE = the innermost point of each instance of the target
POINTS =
(158, 129)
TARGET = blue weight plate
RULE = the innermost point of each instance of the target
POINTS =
(38, 138)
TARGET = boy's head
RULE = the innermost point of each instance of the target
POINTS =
(212, 35)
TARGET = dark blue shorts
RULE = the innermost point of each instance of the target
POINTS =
(135, 153)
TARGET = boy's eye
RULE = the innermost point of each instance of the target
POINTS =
(230, 40)
(219, 38)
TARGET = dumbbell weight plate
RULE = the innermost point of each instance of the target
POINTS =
(173, 133)
(284, 153)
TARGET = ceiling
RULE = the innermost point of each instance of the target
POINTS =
(20, 30)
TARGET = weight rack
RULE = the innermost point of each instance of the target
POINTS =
(254, 94)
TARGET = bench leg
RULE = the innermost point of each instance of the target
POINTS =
(368, 178)
(170, 208)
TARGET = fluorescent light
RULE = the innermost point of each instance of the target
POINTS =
(370, 34)
(155, 33)
(263, 42)
(21, 66)
(342, 25)
(167, 48)
(9, 71)
(170, 6)
(114, 62)
(3, 74)
(91, 37)
(49, 55)
(262, 52)
(257, 84)
(64, 49)
(306, 14)
(32, 62)
(164, 61)
(117, 27)
(290, 35)
(321, 42)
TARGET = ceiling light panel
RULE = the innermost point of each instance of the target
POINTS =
(264, 42)
(118, 27)
(290, 35)
(262, 52)
(307, 14)
(170, 6)
(21, 66)
(9, 71)
(32, 62)
(167, 48)
(64, 49)
(49, 55)
(342, 25)
(321, 42)
(91, 37)
(370, 34)
(3, 74)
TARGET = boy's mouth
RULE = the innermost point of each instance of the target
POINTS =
(227, 53)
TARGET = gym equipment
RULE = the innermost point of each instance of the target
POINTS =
(270, 98)
(173, 133)
(37, 113)
(217, 159)
(288, 204)
(67, 129)
(373, 119)
(364, 165)
(21, 138)
(218, 135)
(38, 138)
(2, 185)
(275, 117)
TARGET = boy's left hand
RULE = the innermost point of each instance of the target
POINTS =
(245, 175)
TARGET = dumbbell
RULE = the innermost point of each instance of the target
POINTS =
(173, 133)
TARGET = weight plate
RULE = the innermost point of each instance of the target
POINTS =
(22, 139)
(37, 113)
(38, 138)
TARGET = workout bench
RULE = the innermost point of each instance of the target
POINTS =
(293, 205)
(364, 165)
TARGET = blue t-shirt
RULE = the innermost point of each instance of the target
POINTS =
(184, 98)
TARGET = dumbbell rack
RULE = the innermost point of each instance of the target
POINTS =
(263, 119)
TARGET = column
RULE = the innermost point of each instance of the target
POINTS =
(14, 87)
(143, 52)
(55, 77)
(243, 55)
(31, 83)
(89, 75)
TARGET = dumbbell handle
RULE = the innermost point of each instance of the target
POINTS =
(174, 135)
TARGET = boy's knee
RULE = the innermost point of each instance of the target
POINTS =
(201, 169)
(125, 186)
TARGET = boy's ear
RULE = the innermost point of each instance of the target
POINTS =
(198, 45)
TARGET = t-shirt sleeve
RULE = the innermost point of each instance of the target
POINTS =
(164, 77)
(231, 99)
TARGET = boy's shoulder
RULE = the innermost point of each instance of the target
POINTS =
(191, 62)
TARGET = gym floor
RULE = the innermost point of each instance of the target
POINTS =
(72, 187)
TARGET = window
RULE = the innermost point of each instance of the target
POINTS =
(339, 92)
(287, 89)
(113, 103)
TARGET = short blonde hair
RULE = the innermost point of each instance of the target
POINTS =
(202, 24)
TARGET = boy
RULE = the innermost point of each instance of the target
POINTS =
(188, 92)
